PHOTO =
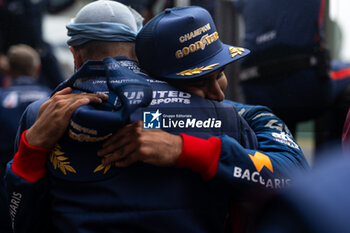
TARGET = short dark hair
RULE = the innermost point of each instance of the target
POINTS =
(23, 60)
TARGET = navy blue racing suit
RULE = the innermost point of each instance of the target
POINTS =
(192, 197)
(287, 69)
(13, 101)
(84, 196)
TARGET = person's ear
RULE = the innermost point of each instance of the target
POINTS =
(78, 61)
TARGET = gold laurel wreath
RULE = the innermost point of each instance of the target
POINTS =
(196, 70)
(101, 166)
(59, 161)
(236, 51)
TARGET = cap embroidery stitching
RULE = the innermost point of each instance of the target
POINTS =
(236, 51)
(197, 70)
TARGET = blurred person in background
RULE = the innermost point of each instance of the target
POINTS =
(153, 7)
(21, 22)
(24, 68)
(4, 66)
(318, 201)
(289, 69)
(144, 7)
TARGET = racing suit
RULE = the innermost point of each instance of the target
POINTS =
(138, 198)
(5, 224)
(148, 198)
(288, 67)
(346, 134)
(14, 100)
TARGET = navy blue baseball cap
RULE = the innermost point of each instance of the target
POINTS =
(182, 43)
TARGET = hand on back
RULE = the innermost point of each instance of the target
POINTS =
(54, 116)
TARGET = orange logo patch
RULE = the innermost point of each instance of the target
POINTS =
(260, 160)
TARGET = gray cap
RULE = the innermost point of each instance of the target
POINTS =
(107, 11)
(104, 21)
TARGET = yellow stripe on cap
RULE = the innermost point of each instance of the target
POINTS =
(234, 51)
(197, 70)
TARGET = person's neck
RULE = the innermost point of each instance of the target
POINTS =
(100, 58)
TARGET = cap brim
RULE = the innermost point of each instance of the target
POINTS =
(227, 55)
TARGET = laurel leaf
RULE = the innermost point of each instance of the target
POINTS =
(235, 51)
(59, 161)
(61, 158)
(63, 170)
(70, 169)
(107, 168)
(59, 153)
(197, 70)
(54, 162)
(99, 168)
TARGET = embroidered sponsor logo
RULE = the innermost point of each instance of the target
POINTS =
(285, 139)
(11, 100)
(83, 134)
(200, 44)
(158, 97)
(31, 96)
(260, 161)
(168, 97)
(255, 177)
(14, 204)
(266, 37)
(195, 33)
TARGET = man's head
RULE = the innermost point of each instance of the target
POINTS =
(209, 86)
(23, 61)
(181, 45)
(101, 29)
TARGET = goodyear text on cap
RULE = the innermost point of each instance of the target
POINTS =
(195, 33)
(205, 40)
